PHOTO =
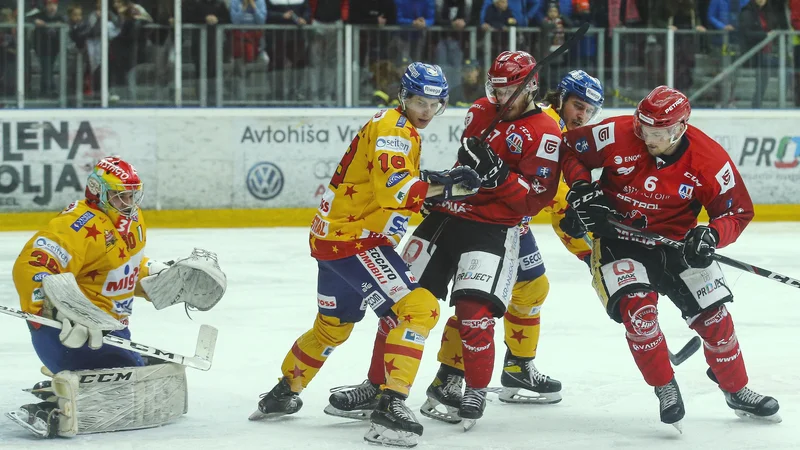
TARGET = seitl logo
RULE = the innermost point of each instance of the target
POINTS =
(783, 153)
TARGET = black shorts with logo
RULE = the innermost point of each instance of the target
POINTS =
(480, 259)
(617, 271)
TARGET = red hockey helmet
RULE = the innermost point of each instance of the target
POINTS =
(664, 112)
(114, 185)
(510, 69)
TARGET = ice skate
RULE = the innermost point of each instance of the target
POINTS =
(520, 374)
(392, 423)
(353, 402)
(445, 391)
(749, 404)
(41, 419)
(280, 401)
(670, 404)
(472, 405)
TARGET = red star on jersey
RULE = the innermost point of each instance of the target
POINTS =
(121, 253)
(369, 166)
(567, 240)
(350, 191)
(339, 232)
(434, 314)
(91, 274)
(390, 366)
(92, 232)
(414, 133)
(351, 218)
(456, 359)
(297, 372)
(408, 318)
(519, 335)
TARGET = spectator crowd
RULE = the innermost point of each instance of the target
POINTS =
(437, 31)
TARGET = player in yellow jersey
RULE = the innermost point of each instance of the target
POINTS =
(83, 269)
(363, 215)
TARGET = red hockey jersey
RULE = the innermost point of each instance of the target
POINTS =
(663, 195)
(529, 146)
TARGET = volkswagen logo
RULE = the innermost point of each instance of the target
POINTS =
(265, 181)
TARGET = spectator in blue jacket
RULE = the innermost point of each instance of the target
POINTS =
(522, 10)
(719, 14)
(417, 13)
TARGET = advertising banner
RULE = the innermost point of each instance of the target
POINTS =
(284, 158)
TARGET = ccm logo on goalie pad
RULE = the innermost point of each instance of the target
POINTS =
(106, 377)
(623, 273)
(326, 302)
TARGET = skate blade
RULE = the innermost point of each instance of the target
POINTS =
(678, 426)
(430, 410)
(258, 415)
(39, 428)
(469, 423)
(380, 435)
(513, 395)
(359, 414)
(775, 418)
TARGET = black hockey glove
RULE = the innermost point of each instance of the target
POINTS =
(459, 182)
(478, 155)
(571, 225)
(592, 208)
(699, 246)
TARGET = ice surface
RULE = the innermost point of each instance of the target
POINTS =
(271, 301)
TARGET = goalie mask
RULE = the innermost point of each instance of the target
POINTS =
(115, 187)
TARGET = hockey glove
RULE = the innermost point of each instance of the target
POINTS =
(592, 208)
(459, 182)
(75, 335)
(571, 225)
(478, 155)
(699, 246)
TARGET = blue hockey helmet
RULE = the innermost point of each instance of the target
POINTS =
(586, 87)
(425, 80)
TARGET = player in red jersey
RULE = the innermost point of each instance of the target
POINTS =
(658, 172)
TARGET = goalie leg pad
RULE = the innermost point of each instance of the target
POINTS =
(98, 401)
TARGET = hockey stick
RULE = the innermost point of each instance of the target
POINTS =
(651, 238)
(204, 351)
(686, 352)
(545, 61)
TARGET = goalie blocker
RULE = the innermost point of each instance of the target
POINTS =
(98, 401)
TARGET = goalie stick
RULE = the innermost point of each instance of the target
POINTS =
(651, 238)
(545, 61)
(204, 351)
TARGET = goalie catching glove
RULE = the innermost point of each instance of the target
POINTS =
(197, 281)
